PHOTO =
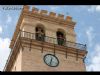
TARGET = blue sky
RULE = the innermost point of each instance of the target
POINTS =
(87, 29)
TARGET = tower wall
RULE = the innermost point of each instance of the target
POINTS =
(33, 61)
(17, 65)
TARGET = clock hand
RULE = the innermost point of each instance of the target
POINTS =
(51, 61)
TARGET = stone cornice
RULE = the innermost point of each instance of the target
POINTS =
(50, 19)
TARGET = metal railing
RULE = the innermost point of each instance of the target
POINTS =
(54, 40)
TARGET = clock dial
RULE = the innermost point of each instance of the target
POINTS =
(51, 60)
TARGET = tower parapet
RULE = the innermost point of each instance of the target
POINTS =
(53, 15)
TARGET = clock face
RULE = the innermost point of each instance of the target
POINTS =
(51, 60)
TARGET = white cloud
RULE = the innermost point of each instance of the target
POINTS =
(91, 8)
(98, 8)
(0, 29)
(95, 62)
(94, 8)
(9, 18)
(53, 8)
(4, 51)
(90, 35)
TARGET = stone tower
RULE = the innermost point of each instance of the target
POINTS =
(45, 42)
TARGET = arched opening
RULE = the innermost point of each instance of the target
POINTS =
(40, 33)
(60, 38)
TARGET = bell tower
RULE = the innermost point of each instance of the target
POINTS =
(45, 42)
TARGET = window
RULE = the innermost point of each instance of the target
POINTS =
(60, 38)
(40, 35)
